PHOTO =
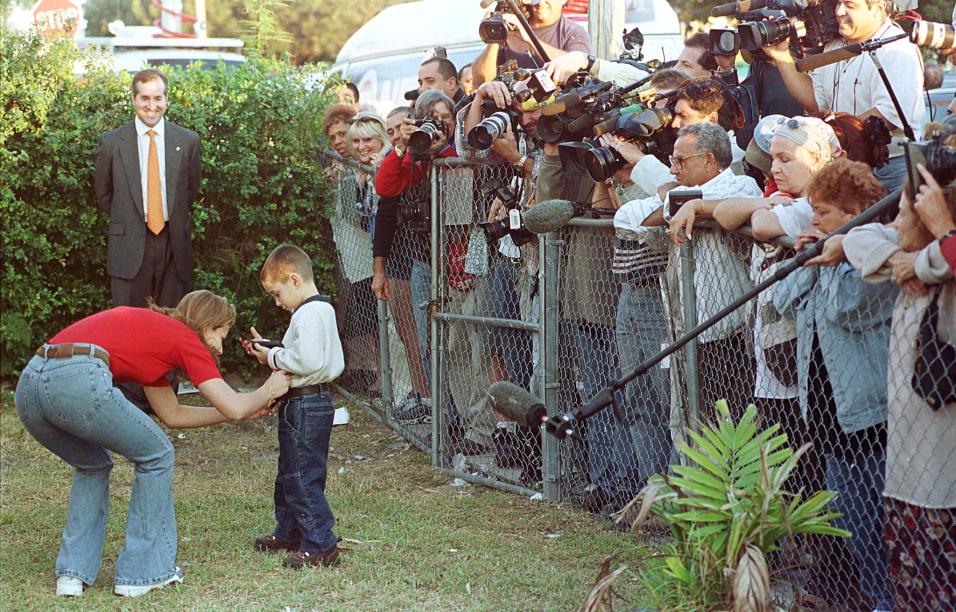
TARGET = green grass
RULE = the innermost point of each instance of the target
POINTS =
(416, 542)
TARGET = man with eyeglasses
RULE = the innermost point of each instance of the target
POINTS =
(701, 160)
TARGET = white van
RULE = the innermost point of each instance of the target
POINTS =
(383, 56)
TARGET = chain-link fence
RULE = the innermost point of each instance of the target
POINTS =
(840, 359)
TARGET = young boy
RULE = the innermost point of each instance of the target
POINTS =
(312, 353)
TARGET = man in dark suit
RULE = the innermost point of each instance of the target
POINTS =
(147, 177)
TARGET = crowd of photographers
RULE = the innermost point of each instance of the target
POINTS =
(853, 352)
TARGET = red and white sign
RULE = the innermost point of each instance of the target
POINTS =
(57, 18)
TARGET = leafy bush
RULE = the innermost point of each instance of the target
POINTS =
(261, 184)
(725, 511)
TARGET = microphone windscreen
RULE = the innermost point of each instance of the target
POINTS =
(548, 216)
(516, 403)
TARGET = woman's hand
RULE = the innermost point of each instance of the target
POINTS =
(808, 236)
(931, 206)
(902, 266)
(277, 384)
(832, 253)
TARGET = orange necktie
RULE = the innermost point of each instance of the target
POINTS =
(154, 191)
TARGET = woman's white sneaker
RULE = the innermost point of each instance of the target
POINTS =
(135, 590)
(68, 586)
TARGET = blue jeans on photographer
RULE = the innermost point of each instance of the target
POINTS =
(72, 408)
(421, 289)
(642, 330)
(302, 512)
(859, 488)
(612, 464)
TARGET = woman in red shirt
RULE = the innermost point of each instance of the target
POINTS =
(67, 401)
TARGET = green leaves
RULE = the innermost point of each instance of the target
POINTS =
(261, 185)
(731, 500)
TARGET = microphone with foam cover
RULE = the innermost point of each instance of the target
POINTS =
(568, 101)
(732, 8)
(548, 216)
(516, 403)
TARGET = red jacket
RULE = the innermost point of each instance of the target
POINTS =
(398, 173)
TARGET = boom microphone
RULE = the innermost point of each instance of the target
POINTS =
(516, 403)
(548, 216)
(732, 8)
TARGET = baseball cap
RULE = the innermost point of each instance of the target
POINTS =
(758, 151)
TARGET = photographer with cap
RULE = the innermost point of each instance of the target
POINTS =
(557, 34)
(854, 86)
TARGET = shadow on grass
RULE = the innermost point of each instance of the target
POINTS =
(415, 541)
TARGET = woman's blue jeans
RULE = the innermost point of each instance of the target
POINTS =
(72, 408)
(302, 512)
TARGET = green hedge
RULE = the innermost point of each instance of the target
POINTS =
(261, 185)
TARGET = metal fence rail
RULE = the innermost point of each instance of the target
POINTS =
(827, 354)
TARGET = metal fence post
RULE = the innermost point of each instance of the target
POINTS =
(436, 342)
(549, 281)
(384, 355)
(689, 306)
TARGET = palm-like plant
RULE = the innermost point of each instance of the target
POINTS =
(726, 509)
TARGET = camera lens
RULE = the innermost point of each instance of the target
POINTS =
(550, 128)
(489, 130)
(727, 42)
(423, 138)
(602, 162)
(755, 35)
(495, 230)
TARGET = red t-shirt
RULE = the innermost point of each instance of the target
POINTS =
(144, 345)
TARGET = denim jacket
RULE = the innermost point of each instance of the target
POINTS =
(852, 320)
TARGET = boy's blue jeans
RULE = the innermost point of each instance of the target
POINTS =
(72, 408)
(302, 513)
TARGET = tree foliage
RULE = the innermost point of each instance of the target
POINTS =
(261, 185)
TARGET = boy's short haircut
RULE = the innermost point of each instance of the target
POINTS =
(283, 261)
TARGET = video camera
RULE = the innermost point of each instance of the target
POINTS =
(494, 28)
(512, 225)
(648, 129)
(809, 24)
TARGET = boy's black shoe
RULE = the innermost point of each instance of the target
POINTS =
(270, 543)
(300, 559)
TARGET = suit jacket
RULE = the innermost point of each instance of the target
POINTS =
(120, 192)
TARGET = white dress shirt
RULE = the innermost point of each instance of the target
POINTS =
(142, 141)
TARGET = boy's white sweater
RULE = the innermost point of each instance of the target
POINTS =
(311, 350)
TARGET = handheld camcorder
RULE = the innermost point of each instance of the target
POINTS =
(809, 24)
(494, 28)
(512, 225)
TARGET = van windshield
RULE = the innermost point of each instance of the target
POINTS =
(639, 11)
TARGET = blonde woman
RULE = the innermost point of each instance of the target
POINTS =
(67, 400)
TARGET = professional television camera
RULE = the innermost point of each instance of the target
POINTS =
(809, 24)
(512, 225)
(494, 28)
(648, 129)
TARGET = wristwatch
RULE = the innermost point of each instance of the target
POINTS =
(591, 60)
(519, 165)
(950, 234)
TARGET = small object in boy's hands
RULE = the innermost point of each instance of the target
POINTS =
(267, 343)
